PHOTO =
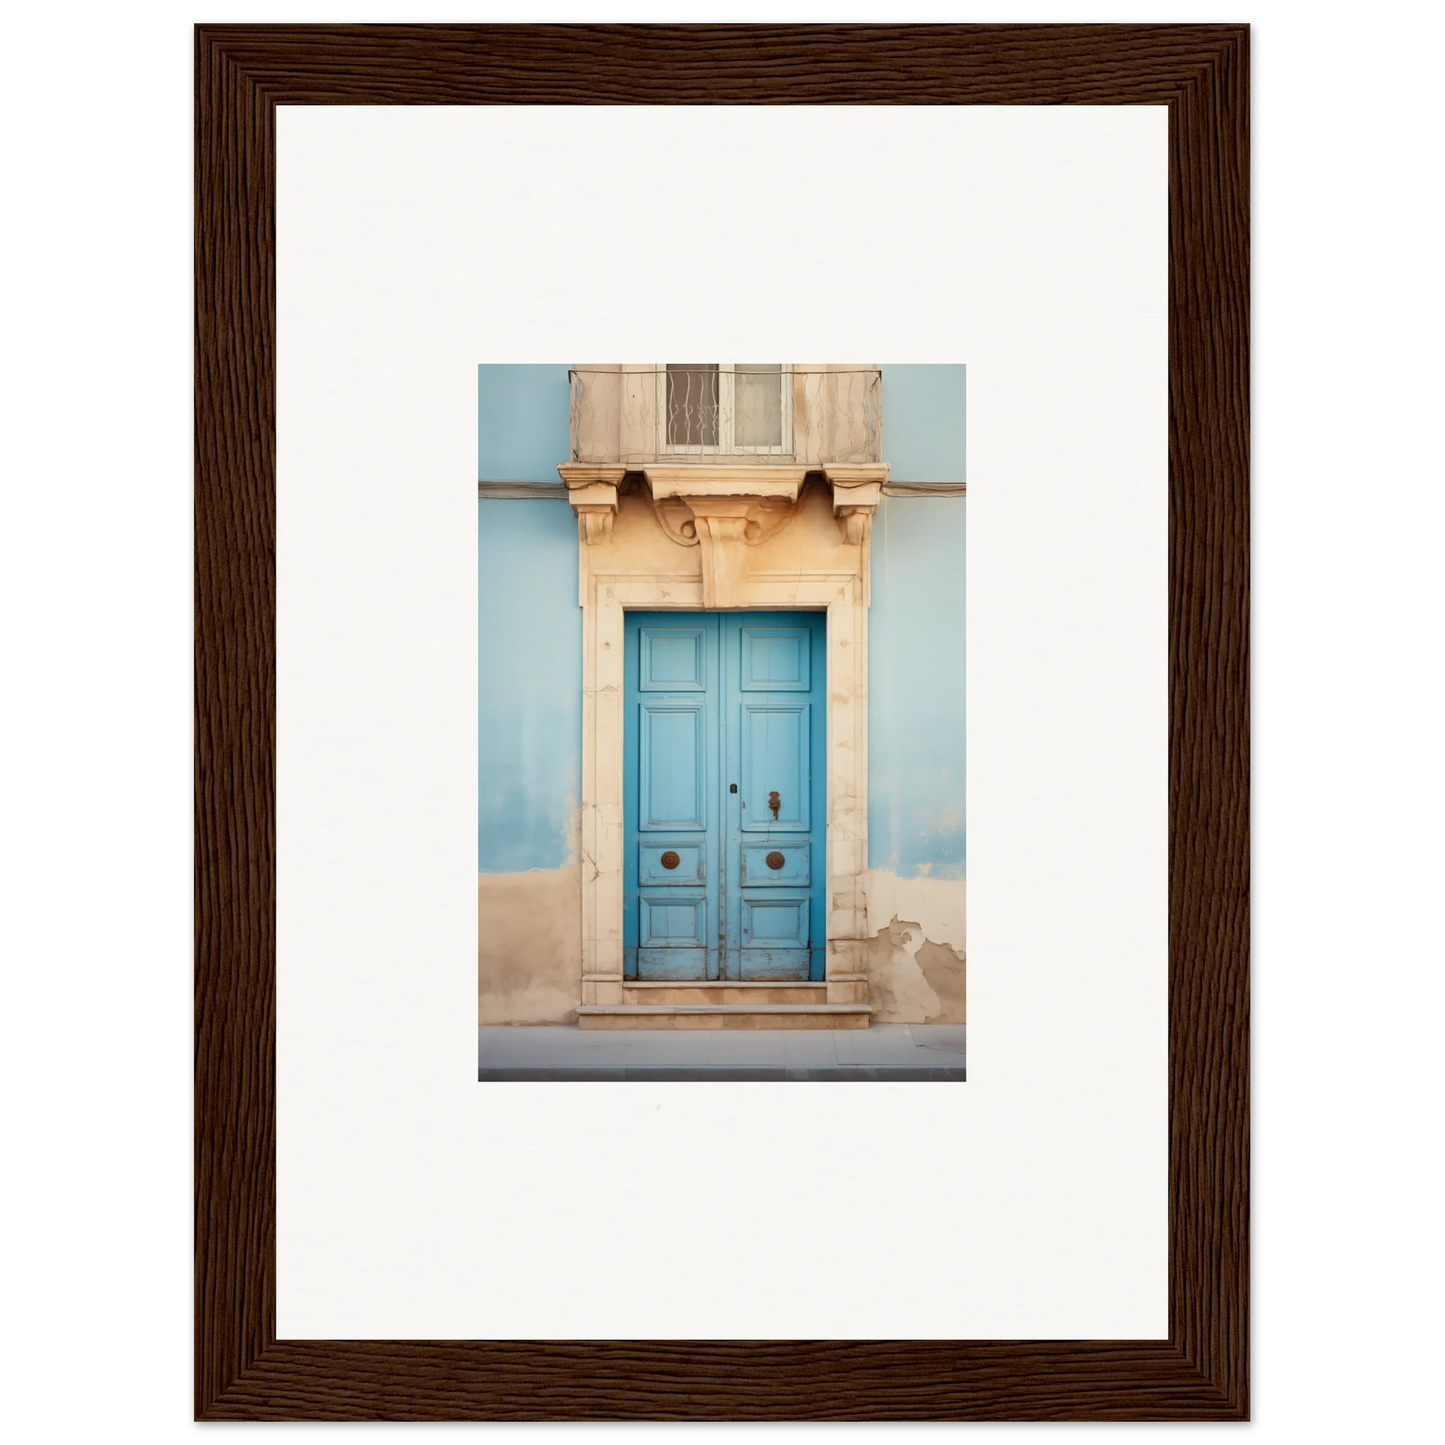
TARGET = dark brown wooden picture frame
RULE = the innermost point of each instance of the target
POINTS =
(243, 1372)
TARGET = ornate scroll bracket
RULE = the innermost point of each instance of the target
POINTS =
(856, 493)
(764, 519)
(724, 509)
(592, 491)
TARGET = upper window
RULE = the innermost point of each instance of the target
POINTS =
(726, 408)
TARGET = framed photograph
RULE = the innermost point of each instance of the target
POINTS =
(767, 671)
(577, 726)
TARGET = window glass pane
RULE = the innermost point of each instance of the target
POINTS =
(759, 403)
(692, 398)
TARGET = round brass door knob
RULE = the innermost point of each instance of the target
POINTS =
(670, 859)
(775, 860)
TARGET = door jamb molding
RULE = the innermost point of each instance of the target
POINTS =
(832, 579)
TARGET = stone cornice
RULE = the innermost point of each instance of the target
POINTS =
(855, 474)
(707, 480)
(723, 507)
(586, 474)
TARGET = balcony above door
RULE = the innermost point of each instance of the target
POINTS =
(743, 414)
(725, 450)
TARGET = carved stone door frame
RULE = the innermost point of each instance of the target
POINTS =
(717, 517)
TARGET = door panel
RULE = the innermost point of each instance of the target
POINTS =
(724, 721)
(775, 767)
(775, 659)
(671, 936)
(672, 813)
(673, 745)
(783, 864)
(679, 863)
(673, 659)
(775, 675)
(775, 923)
(673, 922)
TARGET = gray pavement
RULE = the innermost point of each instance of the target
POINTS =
(883, 1053)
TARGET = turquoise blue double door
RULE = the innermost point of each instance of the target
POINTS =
(724, 807)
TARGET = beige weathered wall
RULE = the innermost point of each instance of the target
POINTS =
(530, 947)
(529, 950)
(916, 954)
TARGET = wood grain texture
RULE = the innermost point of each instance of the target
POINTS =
(242, 1370)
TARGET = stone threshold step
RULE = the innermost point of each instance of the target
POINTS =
(725, 1016)
(724, 1008)
(661, 985)
(722, 992)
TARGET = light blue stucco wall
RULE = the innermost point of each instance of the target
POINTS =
(924, 426)
(530, 711)
(916, 678)
(916, 688)
(530, 684)
(522, 423)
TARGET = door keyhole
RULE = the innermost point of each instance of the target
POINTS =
(775, 803)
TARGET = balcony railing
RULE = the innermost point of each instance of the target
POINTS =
(748, 414)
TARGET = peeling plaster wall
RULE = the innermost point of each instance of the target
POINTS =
(916, 952)
(917, 759)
